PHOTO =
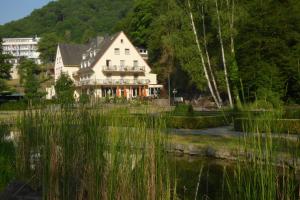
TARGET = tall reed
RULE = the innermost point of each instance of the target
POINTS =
(7, 156)
(93, 154)
(261, 172)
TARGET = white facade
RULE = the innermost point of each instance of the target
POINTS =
(61, 68)
(112, 67)
(20, 47)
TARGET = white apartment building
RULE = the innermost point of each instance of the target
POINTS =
(107, 66)
(21, 47)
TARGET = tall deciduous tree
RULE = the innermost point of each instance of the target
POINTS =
(212, 92)
(64, 88)
(47, 46)
(29, 71)
(5, 68)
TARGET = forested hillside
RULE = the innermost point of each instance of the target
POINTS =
(74, 20)
(249, 49)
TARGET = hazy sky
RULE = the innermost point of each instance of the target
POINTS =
(16, 9)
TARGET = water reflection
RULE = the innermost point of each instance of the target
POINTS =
(212, 183)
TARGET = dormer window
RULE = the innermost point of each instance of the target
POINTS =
(117, 51)
(91, 54)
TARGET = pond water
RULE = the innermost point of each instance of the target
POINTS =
(212, 184)
(215, 175)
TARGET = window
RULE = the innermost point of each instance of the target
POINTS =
(135, 63)
(127, 52)
(117, 51)
(108, 63)
(122, 63)
(122, 41)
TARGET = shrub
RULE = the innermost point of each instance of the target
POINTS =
(292, 113)
(13, 105)
(263, 125)
(183, 110)
(196, 122)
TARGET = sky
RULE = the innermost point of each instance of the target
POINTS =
(17, 9)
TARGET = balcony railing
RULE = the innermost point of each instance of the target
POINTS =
(115, 68)
(113, 82)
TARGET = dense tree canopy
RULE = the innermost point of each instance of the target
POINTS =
(65, 88)
(71, 18)
(260, 40)
(47, 46)
(5, 68)
(29, 72)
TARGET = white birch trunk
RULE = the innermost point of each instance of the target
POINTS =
(223, 56)
(231, 24)
(208, 60)
(201, 56)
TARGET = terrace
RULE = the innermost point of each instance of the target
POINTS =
(113, 82)
(123, 69)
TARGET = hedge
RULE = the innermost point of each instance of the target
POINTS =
(184, 122)
(13, 105)
(196, 122)
(291, 126)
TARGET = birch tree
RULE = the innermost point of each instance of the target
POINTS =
(201, 56)
(208, 58)
(223, 56)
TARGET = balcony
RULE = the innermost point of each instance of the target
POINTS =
(123, 69)
(112, 82)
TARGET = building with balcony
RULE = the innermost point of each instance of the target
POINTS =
(107, 66)
(21, 47)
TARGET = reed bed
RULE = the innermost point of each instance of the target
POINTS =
(264, 174)
(93, 154)
(7, 156)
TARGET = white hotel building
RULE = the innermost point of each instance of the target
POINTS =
(107, 66)
(21, 47)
